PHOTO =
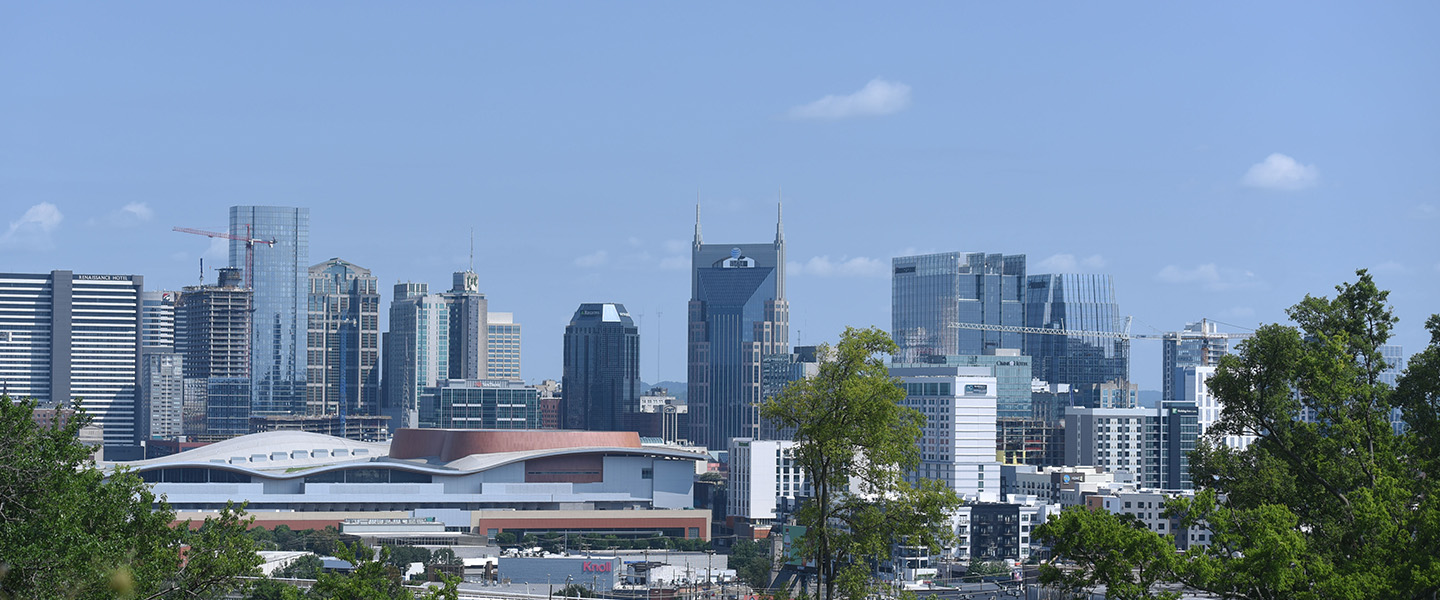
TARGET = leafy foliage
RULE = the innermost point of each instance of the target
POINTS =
(574, 590)
(1333, 506)
(68, 531)
(1117, 552)
(854, 442)
(751, 561)
(373, 578)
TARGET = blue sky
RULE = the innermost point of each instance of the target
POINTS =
(1220, 160)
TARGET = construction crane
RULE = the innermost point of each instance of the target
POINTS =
(1124, 334)
(250, 241)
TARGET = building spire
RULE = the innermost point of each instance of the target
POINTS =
(472, 249)
(780, 217)
(697, 219)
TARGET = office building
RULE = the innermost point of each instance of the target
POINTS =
(469, 330)
(957, 442)
(212, 334)
(1152, 443)
(1076, 303)
(65, 336)
(738, 319)
(417, 350)
(157, 321)
(343, 337)
(1198, 345)
(664, 416)
(281, 272)
(934, 294)
(162, 396)
(480, 404)
(601, 370)
(502, 346)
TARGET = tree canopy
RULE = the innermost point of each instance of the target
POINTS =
(854, 442)
(69, 531)
(1328, 501)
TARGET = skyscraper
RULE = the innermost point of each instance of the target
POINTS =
(278, 332)
(602, 370)
(468, 327)
(502, 346)
(932, 294)
(158, 403)
(738, 319)
(1076, 303)
(212, 333)
(343, 334)
(1199, 345)
(417, 350)
(65, 336)
(157, 320)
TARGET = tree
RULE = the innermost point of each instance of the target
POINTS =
(1118, 552)
(67, 530)
(751, 561)
(854, 443)
(372, 578)
(1334, 506)
(574, 590)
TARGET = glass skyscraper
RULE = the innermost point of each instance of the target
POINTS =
(1076, 303)
(932, 293)
(278, 331)
(738, 319)
(602, 370)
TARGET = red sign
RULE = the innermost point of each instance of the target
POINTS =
(595, 567)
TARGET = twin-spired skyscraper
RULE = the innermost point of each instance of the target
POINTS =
(739, 324)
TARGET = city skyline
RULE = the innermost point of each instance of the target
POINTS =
(1293, 147)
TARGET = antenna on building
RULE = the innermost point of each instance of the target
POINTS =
(202, 270)
(472, 249)
(697, 218)
(780, 216)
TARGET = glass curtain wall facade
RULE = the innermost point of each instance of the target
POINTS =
(1076, 303)
(932, 293)
(480, 404)
(738, 319)
(343, 334)
(278, 333)
(602, 371)
(417, 350)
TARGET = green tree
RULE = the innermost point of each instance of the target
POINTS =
(1338, 506)
(854, 442)
(69, 531)
(574, 590)
(372, 578)
(751, 561)
(1116, 551)
(304, 567)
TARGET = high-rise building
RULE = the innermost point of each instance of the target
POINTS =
(1198, 345)
(502, 345)
(738, 320)
(157, 321)
(1152, 443)
(932, 294)
(1076, 303)
(468, 327)
(602, 370)
(65, 336)
(417, 350)
(1111, 394)
(343, 335)
(281, 272)
(957, 442)
(212, 334)
(1394, 357)
(162, 396)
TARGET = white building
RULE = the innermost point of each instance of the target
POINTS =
(503, 346)
(957, 442)
(1148, 507)
(1193, 388)
(762, 473)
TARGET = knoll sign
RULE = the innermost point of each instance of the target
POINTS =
(596, 567)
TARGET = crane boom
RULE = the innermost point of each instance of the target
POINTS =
(1119, 335)
(250, 241)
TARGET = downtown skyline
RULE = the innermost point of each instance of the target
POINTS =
(1217, 167)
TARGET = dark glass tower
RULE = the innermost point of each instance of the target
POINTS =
(602, 370)
(739, 321)
(933, 293)
(1076, 303)
(278, 334)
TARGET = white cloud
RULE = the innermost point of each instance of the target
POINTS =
(879, 97)
(1208, 276)
(1280, 172)
(129, 215)
(675, 263)
(822, 266)
(1067, 263)
(138, 210)
(219, 250)
(1427, 210)
(594, 259)
(1391, 267)
(1237, 312)
(34, 226)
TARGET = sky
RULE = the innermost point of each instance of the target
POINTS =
(1220, 160)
